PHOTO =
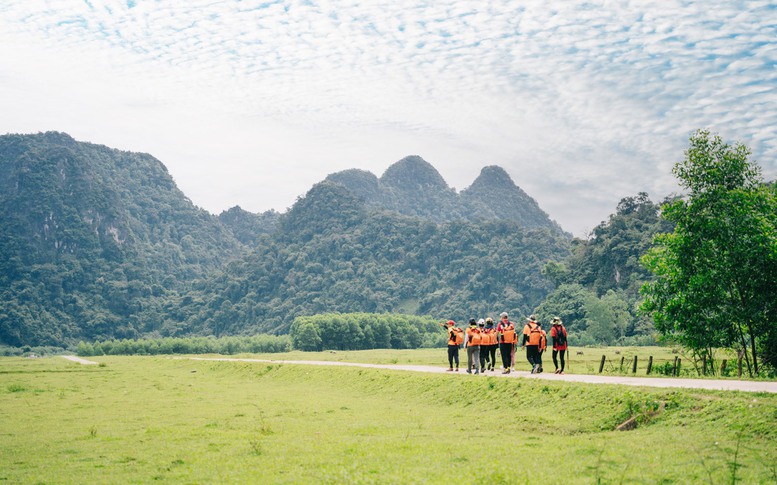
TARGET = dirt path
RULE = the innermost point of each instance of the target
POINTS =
(723, 385)
(79, 360)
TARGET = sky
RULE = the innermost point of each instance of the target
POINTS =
(250, 103)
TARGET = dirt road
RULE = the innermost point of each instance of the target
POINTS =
(79, 360)
(720, 384)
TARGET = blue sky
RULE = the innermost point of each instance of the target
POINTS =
(252, 102)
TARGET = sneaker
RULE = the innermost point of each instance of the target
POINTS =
(451, 370)
(477, 372)
(506, 371)
(535, 368)
(469, 371)
(539, 371)
(557, 372)
(457, 369)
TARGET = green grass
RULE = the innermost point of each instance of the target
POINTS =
(151, 419)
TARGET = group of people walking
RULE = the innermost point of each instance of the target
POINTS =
(482, 340)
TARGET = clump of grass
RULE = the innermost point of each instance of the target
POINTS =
(16, 388)
(264, 428)
(256, 446)
(638, 412)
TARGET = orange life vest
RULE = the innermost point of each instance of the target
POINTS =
(473, 337)
(535, 335)
(508, 334)
(489, 337)
(455, 336)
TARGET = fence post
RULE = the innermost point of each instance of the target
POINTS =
(650, 364)
(634, 369)
(722, 366)
(739, 363)
(704, 365)
(623, 358)
(674, 367)
(601, 366)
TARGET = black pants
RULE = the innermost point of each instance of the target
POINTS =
(533, 355)
(453, 354)
(505, 350)
(488, 355)
(561, 354)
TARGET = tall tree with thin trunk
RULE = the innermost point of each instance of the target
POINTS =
(716, 274)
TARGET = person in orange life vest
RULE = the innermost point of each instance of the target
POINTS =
(483, 345)
(533, 340)
(558, 335)
(472, 344)
(455, 337)
(507, 341)
(488, 344)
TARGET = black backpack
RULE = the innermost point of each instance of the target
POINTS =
(561, 338)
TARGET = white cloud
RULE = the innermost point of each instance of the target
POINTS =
(251, 102)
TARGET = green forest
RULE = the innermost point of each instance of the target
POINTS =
(100, 245)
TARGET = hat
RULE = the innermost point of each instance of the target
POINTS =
(489, 321)
(481, 322)
(503, 314)
(472, 321)
(451, 323)
(555, 320)
(531, 318)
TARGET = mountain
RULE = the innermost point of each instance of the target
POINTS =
(334, 253)
(502, 199)
(99, 243)
(413, 187)
(248, 227)
(90, 237)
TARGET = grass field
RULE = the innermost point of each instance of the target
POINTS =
(151, 419)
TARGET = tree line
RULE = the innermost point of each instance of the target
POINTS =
(256, 344)
(363, 331)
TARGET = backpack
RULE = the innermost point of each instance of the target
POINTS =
(459, 335)
(561, 338)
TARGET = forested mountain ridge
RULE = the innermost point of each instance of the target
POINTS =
(90, 236)
(598, 285)
(335, 254)
(413, 187)
(248, 227)
(99, 243)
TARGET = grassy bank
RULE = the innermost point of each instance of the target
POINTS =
(148, 419)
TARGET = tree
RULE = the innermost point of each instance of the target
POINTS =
(715, 273)
(306, 337)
